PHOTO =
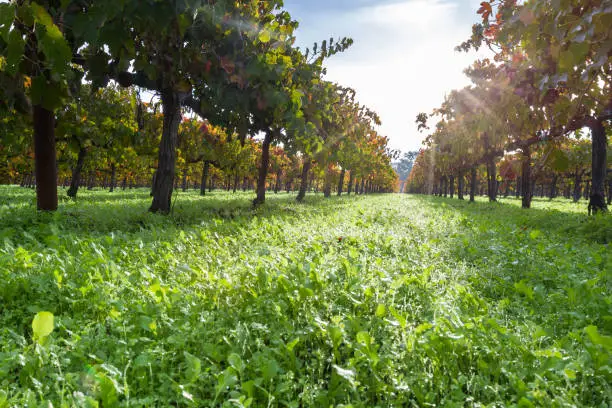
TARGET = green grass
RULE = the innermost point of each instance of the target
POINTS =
(388, 301)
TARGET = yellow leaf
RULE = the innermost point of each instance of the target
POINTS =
(42, 325)
(27, 82)
(264, 36)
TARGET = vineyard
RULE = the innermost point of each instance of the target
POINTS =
(81, 95)
(193, 214)
(538, 112)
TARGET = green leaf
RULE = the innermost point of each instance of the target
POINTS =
(42, 325)
(270, 369)
(194, 367)
(183, 23)
(236, 362)
(579, 51)
(292, 344)
(56, 51)
(560, 161)
(46, 93)
(522, 288)
(598, 339)
(566, 61)
(364, 338)
(494, 324)
(41, 16)
(296, 98)
(570, 374)
(398, 316)
(535, 234)
(109, 390)
(7, 15)
(422, 327)
(226, 379)
(51, 41)
(16, 46)
(336, 335)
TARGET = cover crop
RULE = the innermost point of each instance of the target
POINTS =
(374, 301)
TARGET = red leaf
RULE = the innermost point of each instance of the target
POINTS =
(485, 9)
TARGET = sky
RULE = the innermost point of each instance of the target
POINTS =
(403, 60)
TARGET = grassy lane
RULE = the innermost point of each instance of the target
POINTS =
(369, 301)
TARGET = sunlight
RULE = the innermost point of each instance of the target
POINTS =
(403, 61)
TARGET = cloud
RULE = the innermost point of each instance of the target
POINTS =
(403, 61)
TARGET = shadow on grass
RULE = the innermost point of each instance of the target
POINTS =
(529, 262)
(557, 217)
(100, 212)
